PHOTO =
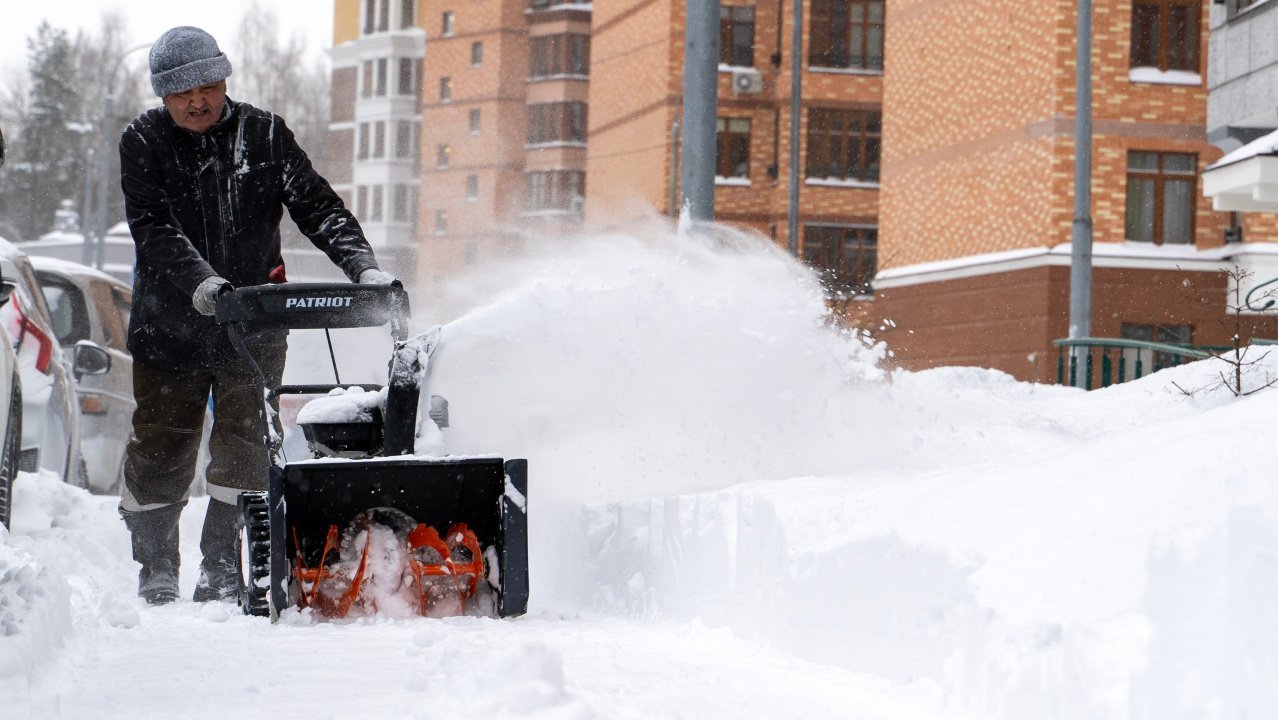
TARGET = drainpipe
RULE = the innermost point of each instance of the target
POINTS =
(796, 113)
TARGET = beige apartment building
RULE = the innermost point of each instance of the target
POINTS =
(935, 155)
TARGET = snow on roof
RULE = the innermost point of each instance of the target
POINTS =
(1265, 145)
(68, 267)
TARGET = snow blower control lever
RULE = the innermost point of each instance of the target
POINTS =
(450, 534)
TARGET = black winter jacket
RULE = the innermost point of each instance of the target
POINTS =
(208, 204)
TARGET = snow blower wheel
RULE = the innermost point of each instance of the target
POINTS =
(253, 546)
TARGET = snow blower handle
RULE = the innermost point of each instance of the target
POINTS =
(249, 310)
(315, 306)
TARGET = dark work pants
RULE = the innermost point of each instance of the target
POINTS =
(160, 459)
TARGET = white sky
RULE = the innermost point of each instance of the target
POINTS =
(148, 18)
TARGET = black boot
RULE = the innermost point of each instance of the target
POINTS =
(219, 570)
(155, 546)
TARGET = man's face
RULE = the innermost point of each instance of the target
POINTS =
(198, 108)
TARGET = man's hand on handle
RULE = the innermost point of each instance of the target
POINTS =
(205, 296)
(373, 276)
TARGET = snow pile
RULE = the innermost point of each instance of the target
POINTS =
(65, 555)
(35, 611)
(1090, 579)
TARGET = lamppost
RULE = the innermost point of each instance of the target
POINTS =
(700, 108)
(1080, 273)
(104, 152)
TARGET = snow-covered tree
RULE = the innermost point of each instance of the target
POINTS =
(47, 164)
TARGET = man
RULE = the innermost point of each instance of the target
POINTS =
(206, 180)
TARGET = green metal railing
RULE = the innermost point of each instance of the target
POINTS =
(1118, 360)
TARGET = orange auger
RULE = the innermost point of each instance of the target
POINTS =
(444, 568)
(441, 569)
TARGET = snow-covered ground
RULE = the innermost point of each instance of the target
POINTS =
(735, 512)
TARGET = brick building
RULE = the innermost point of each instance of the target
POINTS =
(935, 154)
(636, 99)
(978, 170)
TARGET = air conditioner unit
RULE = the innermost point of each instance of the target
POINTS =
(747, 81)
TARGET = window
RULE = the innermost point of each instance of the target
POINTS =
(361, 201)
(1152, 361)
(407, 14)
(474, 121)
(844, 144)
(445, 89)
(363, 143)
(557, 122)
(382, 65)
(847, 34)
(1160, 197)
(579, 54)
(476, 54)
(417, 83)
(402, 204)
(559, 55)
(732, 148)
(67, 309)
(736, 36)
(405, 139)
(443, 153)
(407, 76)
(379, 139)
(375, 212)
(544, 4)
(367, 89)
(846, 256)
(556, 190)
(1165, 34)
(441, 222)
(472, 187)
(377, 15)
(446, 25)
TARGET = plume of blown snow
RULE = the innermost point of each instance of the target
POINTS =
(639, 365)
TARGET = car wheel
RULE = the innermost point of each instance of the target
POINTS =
(9, 455)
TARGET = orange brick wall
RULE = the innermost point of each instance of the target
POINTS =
(979, 123)
(631, 108)
(495, 155)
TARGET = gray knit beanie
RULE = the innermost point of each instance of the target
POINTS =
(186, 57)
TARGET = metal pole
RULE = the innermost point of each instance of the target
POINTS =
(1080, 267)
(674, 170)
(108, 108)
(87, 207)
(700, 107)
(104, 154)
(796, 114)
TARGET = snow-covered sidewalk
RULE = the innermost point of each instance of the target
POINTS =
(735, 512)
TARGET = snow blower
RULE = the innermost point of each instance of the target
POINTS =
(364, 526)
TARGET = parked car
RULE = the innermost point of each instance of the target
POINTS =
(50, 410)
(91, 308)
(10, 414)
